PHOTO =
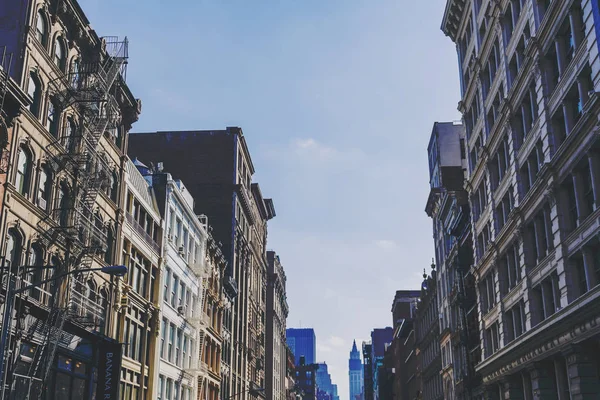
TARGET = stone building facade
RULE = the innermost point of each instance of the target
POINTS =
(529, 73)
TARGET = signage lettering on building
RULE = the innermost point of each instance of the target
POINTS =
(109, 367)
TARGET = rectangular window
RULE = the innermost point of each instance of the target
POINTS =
(174, 291)
(163, 337)
(178, 348)
(181, 294)
(177, 231)
(185, 242)
(186, 340)
(171, 223)
(167, 284)
(171, 342)
(169, 389)
(192, 351)
(161, 388)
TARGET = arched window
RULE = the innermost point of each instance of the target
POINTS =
(90, 298)
(59, 53)
(75, 73)
(110, 244)
(114, 187)
(41, 29)
(52, 119)
(34, 90)
(63, 204)
(70, 135)
(44, 187)
(118, 137)
(103, 301)
(14, 246)
(23, 170)
(51, 285)
(37, 274)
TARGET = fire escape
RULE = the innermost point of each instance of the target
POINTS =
(72, 224)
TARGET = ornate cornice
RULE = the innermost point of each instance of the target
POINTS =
(576, 332)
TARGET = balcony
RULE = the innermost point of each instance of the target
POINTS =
(142, 232)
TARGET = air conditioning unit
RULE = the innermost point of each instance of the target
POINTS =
(181, 250)
(181, 309)
(42, 203)
(170, 237)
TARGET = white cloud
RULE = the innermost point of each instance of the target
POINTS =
(313, 150)
(321, 348)
(337, 341)
(386, 244)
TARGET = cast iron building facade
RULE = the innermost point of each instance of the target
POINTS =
(448, 207)
(427, 332)
(277, 312)
(529, 73)
(217, 168)
(401, 362)
(63, 128)
(141, 251)
(302, 342)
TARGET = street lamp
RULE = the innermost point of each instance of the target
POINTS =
(113, 270)
(252, 391)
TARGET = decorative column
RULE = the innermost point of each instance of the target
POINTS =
(568, 116)
(492, 392)
(583, 89)
(542, 384)
(575, 25)
(594, 165)
(582, 210)
(527, 389)
(512, 388)
(560, 54)
(588, 266)
(583, 374)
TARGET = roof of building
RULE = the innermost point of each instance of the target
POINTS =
(452, 17)
(141, 186)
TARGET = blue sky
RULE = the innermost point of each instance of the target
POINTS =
(337, 99)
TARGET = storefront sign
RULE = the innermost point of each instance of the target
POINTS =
(109, 370)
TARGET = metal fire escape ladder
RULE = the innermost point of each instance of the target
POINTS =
(85, 235)
(202, 331)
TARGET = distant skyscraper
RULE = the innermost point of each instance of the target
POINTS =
(355, 372)
(302, 342)
(324, 379)
(380, 337)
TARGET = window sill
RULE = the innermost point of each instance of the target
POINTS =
(577, 237)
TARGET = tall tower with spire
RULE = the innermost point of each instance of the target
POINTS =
(355, 373)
